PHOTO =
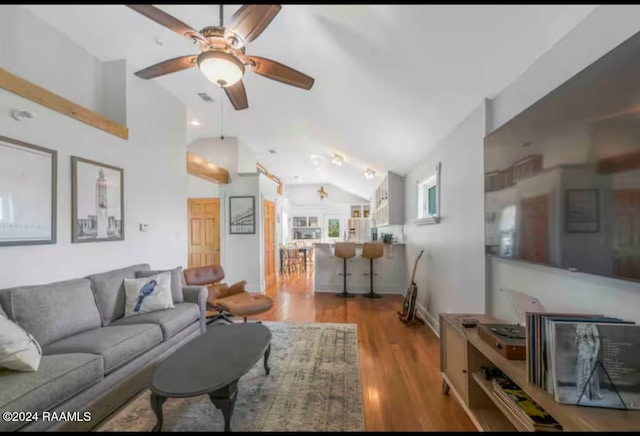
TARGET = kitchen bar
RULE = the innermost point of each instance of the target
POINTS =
(390, 271)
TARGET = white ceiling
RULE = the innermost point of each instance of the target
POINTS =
(390, 80)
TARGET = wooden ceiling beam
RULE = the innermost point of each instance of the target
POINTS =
(40, 95)
(264, 171)
(204, 169)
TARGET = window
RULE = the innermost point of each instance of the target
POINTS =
(428, 200)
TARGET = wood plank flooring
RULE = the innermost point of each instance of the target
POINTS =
(399, 364)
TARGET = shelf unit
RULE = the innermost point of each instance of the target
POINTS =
(387, 202)
(305, 221)
(463, 352)
(360, 211)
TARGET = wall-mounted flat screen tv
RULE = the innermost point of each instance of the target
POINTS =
(562, 178)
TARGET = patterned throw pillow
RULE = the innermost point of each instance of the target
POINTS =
(148, 294)
(18, 349)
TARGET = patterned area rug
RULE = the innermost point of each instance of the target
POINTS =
(314, 385)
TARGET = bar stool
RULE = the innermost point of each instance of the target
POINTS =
(345, 250)
(372, 250)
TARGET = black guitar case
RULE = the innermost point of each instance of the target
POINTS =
(408, 312)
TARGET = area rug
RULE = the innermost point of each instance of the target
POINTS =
(314, 385)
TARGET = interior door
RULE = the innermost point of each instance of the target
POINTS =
(204, 231)
(269, 243)
(626, 239)
(534, 229)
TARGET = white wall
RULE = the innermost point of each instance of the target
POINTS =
(201, 188)
(35, 51)
(246, 159)
(222, 152)
(241, 253)
(599, 33)
(307, 194)
(153, 158)
(450, 275)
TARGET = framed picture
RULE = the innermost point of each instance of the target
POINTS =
(97, 201)
(242, 215)
(28, 181)
(582, 211)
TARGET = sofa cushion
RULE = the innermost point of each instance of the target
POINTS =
(148, 294)
(59, 377)
(177, 281)
(18, 349)
(171, 321)
(108, 288)
(56, 310)
(116, 344)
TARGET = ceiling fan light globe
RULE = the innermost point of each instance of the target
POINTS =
(220, 68)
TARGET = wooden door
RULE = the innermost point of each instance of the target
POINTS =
(534, 229)
(204, 231)
(626, 233)
(269, 243)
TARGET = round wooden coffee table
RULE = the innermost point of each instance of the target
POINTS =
(211, 364)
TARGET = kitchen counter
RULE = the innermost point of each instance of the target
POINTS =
(390, 270)
(359, 243)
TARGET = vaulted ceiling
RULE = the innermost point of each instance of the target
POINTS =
(390, 80)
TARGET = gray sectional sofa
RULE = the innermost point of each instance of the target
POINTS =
(94, 360)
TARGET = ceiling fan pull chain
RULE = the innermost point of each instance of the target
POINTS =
(221, 16)
(221, 114)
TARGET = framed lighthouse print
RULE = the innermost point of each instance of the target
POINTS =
(97, 201)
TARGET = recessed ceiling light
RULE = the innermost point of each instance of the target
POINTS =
(369, 173)
(272, 151)
(194, 122)
(315, 162)
(318, 169)
(337, 159)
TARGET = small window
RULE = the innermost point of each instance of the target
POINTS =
(428, 200)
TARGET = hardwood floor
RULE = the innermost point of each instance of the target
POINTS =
(399, 364)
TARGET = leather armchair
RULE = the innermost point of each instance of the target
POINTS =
(224, 300)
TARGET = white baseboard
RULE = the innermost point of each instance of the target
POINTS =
(429, 319)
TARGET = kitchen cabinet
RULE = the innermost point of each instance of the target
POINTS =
(387, 205)
(360, 211)
(306, 227)
(305, 221)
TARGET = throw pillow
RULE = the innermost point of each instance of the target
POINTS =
(177, 281)
(18, 349)
(148, 294)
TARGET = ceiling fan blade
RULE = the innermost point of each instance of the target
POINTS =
(277, 71)
(167, 67)
(169, 22)
(250, 21)
(237, 95)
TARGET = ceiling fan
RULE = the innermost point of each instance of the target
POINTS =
(322, 193)
(223, 60)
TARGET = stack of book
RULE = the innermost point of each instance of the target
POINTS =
(584, 359)
(527, 412)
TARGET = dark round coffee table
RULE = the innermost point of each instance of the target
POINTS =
(211, 364)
